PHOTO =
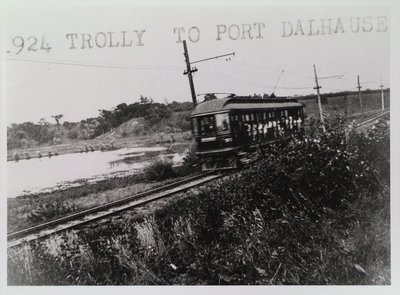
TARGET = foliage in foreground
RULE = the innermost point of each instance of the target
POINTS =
(161, 169)
(313, 212)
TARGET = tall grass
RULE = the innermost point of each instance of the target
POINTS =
(31, 210)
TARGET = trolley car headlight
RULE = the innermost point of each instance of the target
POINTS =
(228, 139)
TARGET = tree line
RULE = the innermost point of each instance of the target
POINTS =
(156, 117)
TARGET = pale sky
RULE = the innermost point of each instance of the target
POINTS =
(78, 82)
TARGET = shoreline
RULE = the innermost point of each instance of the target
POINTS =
(132, 163)
(91, 145)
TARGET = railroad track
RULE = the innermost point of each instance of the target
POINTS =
(103, 211)
(371, 118)
(106, 210)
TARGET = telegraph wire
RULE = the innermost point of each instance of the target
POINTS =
(266, 68)
(68, 63)
(329, 77)
(251, 83)
(141, 67)
(173, 68)
(340, 90)
(370, 82)
(260, 84)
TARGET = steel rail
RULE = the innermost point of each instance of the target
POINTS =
(108, 209)
(372, 118)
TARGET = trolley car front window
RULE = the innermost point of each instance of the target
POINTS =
(222, 122)
(206, 125)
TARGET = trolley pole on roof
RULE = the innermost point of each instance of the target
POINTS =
(359, 95)
(321, 115)
(189, 72)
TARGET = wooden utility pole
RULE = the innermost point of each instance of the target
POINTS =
(359, 95)
(189, 72)
(382, 97)
(321, 115)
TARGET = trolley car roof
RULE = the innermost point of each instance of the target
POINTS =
(242, 103)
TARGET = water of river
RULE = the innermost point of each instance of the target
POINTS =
(44, 174)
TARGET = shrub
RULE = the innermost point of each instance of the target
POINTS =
(191, 163)
(72, 134)
(160, 169)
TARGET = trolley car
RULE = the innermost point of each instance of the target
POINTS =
(227, 128)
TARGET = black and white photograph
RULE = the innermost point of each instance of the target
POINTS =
(202, 144)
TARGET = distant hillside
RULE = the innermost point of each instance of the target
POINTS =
(178, 122)
(28, 134)
(133, 127)
(140, 118)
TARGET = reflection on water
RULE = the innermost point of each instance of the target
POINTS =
(37, 174)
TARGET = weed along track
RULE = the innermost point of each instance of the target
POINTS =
(106, 210)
